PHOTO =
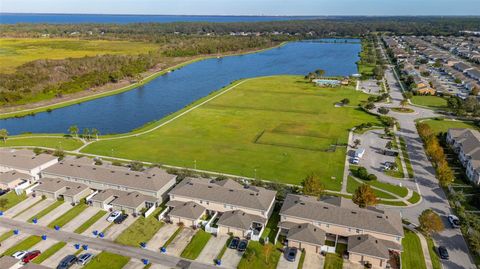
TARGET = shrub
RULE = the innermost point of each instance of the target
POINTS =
(372, 177)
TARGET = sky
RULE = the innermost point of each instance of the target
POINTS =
(246, 7)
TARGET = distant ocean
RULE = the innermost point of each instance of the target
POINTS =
(12, 18)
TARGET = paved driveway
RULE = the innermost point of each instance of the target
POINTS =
(134, 264)
(99, 226)
(44, 244)
(54, 214)
(212, 248)
(12, 241)
(180, 241)
(283, 263)
(34, 210)
(313, 260)
(116, 229)
(231, 258)
(22, 206)
(55, 259)
(161, 237)
(80, 219)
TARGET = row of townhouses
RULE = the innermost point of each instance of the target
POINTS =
(223, 207)
(466, 143)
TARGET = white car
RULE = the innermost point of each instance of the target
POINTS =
(454, 221)
(20, 254)
(114, 216)
(355, 160)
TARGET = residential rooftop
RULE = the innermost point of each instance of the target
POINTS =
(239, 219)
(23, 159)
(366, 244)
(57, 184)
(122, 198)
(12, 175)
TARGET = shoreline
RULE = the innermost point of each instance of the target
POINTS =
(147, 79)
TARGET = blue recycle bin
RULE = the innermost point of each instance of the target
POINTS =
(77, 246)
(101, 235)
(143, 244)
(163, 249)
(85, 247)
(95, 232)
(218, 262)
(35, 221)
(1, 213)
(16, 232)
(145, 261)
(44, 237)
(57, 228)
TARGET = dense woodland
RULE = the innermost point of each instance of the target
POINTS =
(44, 79)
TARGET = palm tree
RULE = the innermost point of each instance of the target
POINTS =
(95, 133)
(320, 72)
(404, 103)
(73, 130)
(86, 133)
(4, 135)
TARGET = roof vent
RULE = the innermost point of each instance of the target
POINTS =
(302, 203)
(137, 175)
(127, 174)
(71, 164)
(359, 238)
(252, 194)
(314, 229)
(325, 207)
(94, 168)
(111, 171)
(376, 241)
(353, 212)
(230, 190)
(209, 187)
(379, 217)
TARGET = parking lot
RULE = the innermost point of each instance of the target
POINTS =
(212, 248)
(161, 237)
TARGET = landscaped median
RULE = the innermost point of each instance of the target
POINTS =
(412, 255)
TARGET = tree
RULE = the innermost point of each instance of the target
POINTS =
(319, 72)
(267, 251)
(458, 196)
(404, 103)
(3, 203)
(430, 222)
(345, 101)
(4, 135)
(444, 173)
(475, 91)
(383, 110)
(356, 143)
(95, 133)
(370, 106)
(312, 185)
(364, 196)
(362, 172)
(136, 166)
(73, 130)
(86, 133)
(60, 154)
(310, 76)
(37, 151)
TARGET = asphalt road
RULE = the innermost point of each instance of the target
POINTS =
(433, 196)
(103, 245)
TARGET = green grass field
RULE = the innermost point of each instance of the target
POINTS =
(439, 126)
(142, 230)
(107, 260)
(47, 142)
(412, 255)
(254, 257)
(335, 260)
(17, 51)
(282, 127)
(434, 102)
(196, 245)
(12, 200)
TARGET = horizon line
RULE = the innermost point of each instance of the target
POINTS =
(237, 15)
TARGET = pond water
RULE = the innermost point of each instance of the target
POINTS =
(166, 94)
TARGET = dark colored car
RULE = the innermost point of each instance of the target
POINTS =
(234, 243)
(242, 246)
(120, 219)
(442, 251)
(31, 256)
(66, 262)
(291, 254)
(2, 192)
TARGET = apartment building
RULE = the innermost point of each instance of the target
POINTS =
(466, 143)
(25, 161)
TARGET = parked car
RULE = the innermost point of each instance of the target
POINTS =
(3, 192)
(454, 221)
(84, 258)
(442, 251)
(30, 256)
(120, 219)
(234, 243)
(114, 215)
(66, 262)
(242, 246)
(20, 254)
(291, 254)
(354, 160)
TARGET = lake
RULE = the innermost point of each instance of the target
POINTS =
(169, 93)
(12, 18)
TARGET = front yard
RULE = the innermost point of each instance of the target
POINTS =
(196, 245)
(260, 256)
(142, 230)
(412, 255)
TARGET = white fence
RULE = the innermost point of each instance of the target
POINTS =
(150, 211)
(327, 249)
(163, 213)
(209, 228)
(25, 187)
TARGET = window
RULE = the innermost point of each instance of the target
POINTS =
(328, 225)
(349, 229)
(358, 231)
(208, 202)
(398, 238)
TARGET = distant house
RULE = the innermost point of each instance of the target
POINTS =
(372, 236)
(424, 88)
(13, 178)
(473, 73)
(129, 202)
(233, 207)
(466, 143)
(55, 188)
(25, 161)
(461, 66)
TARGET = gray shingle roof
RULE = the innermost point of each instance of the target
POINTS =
(122, 198)
(340, 211)
(188, 210)
(153, 179)
(23, 159)
(13, 175)
(57, 184)
(304, 232)
(371, 246)
(225, 192)
(239, 219)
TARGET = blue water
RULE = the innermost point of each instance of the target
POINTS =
(169, 93)
(11, 18)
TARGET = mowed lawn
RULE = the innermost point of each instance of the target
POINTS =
(283, 127)
(430, 101)
(17, 51)
(439, 126)
(64, 143)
